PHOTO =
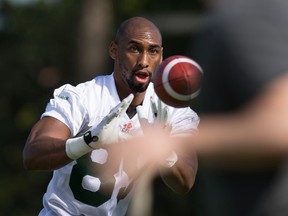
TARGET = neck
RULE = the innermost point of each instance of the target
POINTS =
(131, 111)
(137, 100)
(124, 91)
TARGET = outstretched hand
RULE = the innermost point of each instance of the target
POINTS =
(160, 117)
(107, 131)
(156, 134)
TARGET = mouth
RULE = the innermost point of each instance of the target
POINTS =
(142, 76)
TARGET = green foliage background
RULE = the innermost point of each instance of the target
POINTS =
(36, 40)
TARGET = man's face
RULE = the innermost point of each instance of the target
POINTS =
(138, 55)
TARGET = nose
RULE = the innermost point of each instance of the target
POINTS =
(143, 60)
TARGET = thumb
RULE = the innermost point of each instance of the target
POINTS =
(141, 116)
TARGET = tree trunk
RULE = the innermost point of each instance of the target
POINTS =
(94, 35)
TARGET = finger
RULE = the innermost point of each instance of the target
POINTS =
(154, 107)
(112, 114)
(141, 116)
(166, 124)
(160, 112)
(164, 116)
(119, 109)
(140, 112)
(125, 104)
(122, 107)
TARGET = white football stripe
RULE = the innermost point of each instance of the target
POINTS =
(167, 85)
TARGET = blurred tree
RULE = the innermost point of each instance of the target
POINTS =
(94, 36)
(35, 54)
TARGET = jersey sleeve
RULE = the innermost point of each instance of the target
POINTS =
(67, 106)
(184, 121)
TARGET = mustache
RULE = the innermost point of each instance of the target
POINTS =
(142, 72)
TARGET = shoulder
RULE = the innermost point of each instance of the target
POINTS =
(97, 82)
(84, 87)
(151, 93)
(177, 115)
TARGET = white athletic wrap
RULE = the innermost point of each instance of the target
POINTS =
(77, 147)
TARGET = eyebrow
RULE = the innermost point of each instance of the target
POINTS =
(151, 45)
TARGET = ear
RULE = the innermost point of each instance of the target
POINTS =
(161, 55)
(113, 50)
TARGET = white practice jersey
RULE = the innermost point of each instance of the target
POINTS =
(75, 189)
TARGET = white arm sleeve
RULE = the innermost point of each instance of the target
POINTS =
(184, 122)
(67, 106)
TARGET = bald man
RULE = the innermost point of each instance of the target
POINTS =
(82, 123)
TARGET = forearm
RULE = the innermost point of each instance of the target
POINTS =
(45, 153)
(259, 128)
(181, 176)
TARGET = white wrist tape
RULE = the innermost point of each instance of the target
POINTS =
(77, 147)
(171, 160)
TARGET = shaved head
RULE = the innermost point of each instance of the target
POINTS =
(136, 51)
(131, 27)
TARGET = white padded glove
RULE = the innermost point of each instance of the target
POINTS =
(161, 116)
(105, 133)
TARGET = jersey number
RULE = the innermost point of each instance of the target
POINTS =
(85, 166)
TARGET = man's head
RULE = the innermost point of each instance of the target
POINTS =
(136, 51)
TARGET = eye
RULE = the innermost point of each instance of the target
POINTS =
(133, 49)
(154, 51)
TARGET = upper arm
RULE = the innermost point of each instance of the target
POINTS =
(49, 127)
(45, 146)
